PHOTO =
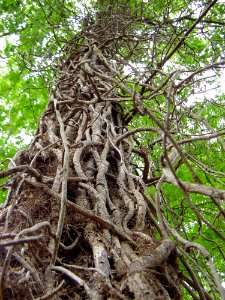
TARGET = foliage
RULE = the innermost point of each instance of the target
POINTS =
(177, 77)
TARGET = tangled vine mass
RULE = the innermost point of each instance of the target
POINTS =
(86, 216)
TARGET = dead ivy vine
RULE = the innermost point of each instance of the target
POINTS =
(78, 222)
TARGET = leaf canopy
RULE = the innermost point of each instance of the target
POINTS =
(177, 72)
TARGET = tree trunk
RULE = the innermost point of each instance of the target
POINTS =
(77, 222)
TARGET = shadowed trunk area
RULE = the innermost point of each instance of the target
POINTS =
(77, 222)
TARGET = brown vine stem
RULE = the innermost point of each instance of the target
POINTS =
(50, 295)
(10, 252)
(21, 241)
(204, 253)
(65, 171)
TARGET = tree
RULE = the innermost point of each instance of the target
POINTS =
(119, 194)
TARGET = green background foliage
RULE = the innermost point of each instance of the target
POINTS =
(33, 38)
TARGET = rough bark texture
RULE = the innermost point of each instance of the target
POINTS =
(78, 220)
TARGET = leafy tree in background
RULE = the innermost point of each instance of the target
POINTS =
(120, 194)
